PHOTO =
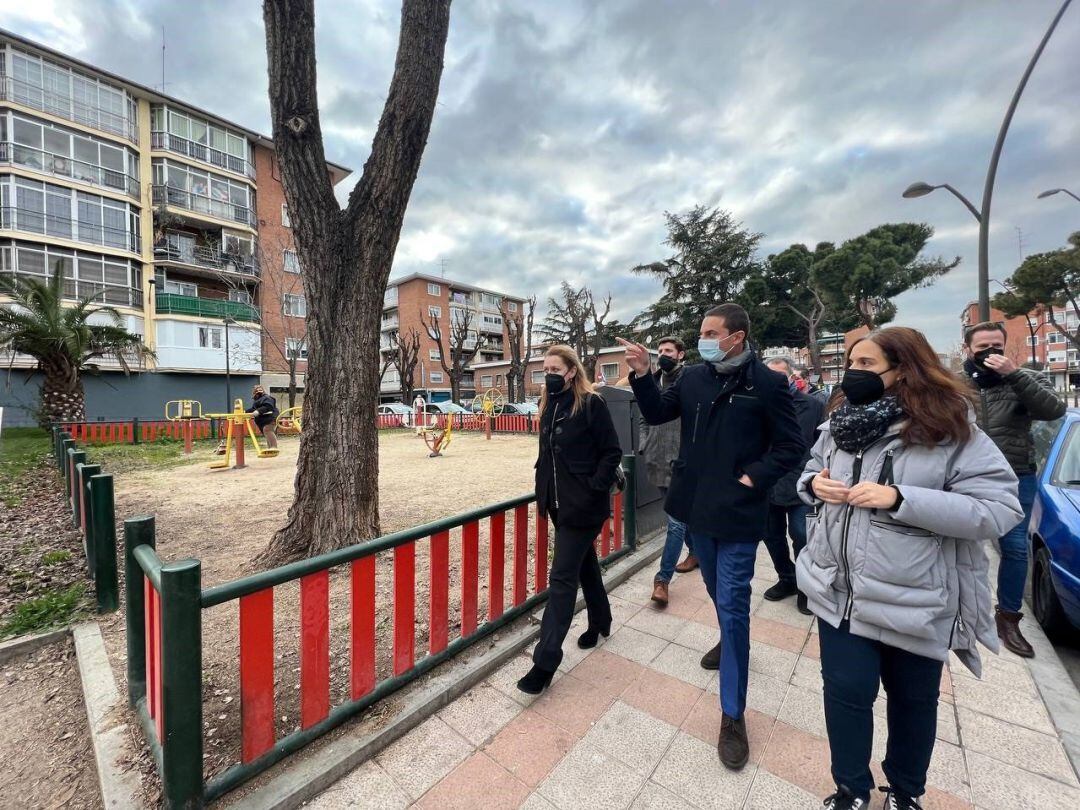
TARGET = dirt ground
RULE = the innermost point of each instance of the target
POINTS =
(45, 748)
(225, 518)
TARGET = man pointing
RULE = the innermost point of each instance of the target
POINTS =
(739, 436)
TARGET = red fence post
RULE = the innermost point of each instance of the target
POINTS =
(257, 674)
(404, 607)
(617, 508)
(314, 648)
(540, 575)
(521, 553)
(496, 564)
(470, 576)
(362, 628)
(439, 602)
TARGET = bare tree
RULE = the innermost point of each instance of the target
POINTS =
(404, 357)
(454, 354)
(577, 322)
(348, 254)
(519, 327)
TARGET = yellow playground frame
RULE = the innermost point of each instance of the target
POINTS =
(240, 421)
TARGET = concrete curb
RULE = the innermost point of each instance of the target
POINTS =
(27, 644)
(305, 779)
(104, 710)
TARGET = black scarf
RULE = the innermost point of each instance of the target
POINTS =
(855, 427)
(983, 377)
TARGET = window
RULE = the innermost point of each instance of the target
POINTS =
(538, 377)
(489, 300)
(58, 211)
(1055, 337)
(485, 381)
(181, 288)
(1033, 340)
(197, 138)
(610, 371)
(285, 221)
(434, 312)
(295, 306)
(434, 355)
(295, 349)
(492, 320)
(498, 380)
(511, 306)
(434, 289)
(201, 191)
(210, 337)
(436, 376)
(292, 261)
(240, 296)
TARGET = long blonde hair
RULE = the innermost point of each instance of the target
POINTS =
(580, 385)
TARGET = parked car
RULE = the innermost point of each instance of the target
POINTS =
(521, 408)
(1054, 533)
(445, 407)
(397, 409)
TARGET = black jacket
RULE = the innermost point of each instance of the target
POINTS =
(579, 453)
(810, 411)
(265, 409)
(731, 425)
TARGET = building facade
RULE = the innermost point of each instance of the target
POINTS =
(152, 206)
(1034, 341)
(611, 366)
(418, 299)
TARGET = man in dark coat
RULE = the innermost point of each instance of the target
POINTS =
(739, 437)
(787, 512)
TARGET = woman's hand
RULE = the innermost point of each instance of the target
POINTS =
(829, 490)
(872, 496)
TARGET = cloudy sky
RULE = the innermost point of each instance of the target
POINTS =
(565, 128)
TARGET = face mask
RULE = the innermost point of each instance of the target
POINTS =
(862, 387)
(667, 364)
(710, 351)
(980, 356)
(555, 383)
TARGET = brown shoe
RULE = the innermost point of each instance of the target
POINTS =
(1008, 630)
(659, 593)
(733, 745)
(687, 565)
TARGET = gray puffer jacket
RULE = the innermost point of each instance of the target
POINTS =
(915, 578)
(1006, 412)
(659, 444)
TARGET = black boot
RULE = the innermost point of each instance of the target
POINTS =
(588, 639)
(536, 680)
(711, 659)
(801, 604)
(781, 590)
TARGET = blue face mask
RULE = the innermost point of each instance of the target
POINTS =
(710, 351)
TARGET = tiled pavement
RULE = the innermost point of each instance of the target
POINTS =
(633, 724)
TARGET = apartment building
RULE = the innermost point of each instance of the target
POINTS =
(1033, 341)
(152, 205)
(611, 366)
(416, 298)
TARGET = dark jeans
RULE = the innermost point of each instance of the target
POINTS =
(852, 666)
(1012, 571)
(677, 537)
(785, 520)
(575, 560)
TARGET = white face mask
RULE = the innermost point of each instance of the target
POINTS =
(710, 351)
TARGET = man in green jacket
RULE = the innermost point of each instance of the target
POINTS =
(1010, 398)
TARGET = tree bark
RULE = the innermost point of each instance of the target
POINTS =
(62, 395)
(347, 255)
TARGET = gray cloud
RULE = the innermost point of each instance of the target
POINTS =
(565, 129)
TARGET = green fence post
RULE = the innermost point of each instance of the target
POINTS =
(86, 507)
(65, 467)
(56, 445)
(213, 429)
(135, 430)
(78, 457)
(137, 532)
(181, 668)
(103, 515)
(629, 464)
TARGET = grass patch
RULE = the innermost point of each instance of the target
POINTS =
(21, 449)
(161, 454)
(54, 608)
(55, 557)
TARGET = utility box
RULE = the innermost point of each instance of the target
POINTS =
(627, 418)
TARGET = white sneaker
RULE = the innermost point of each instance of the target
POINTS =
(843, 799)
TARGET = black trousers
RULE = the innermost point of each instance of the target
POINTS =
(575, 561)
(852, 667)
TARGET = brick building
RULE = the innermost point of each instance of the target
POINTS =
(433, 297)
(1033, 340)
(612, 362)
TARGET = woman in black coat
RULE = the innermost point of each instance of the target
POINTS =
(579, 456)
(265, 409)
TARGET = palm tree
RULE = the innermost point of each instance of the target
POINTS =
(60, 337)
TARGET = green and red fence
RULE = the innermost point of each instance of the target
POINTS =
(133, 431)
(166, 604)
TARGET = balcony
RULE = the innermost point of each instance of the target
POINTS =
(172, 304)
(62, 105)
(63, 166)
(219, 209)
(390, 298)
(91, 233)
(202, 152)
(390, 323)
(207, 258)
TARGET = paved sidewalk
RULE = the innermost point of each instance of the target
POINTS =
(634, 723)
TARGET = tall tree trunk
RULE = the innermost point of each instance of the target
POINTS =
(814, 348)
(62, 395)
(348, 255)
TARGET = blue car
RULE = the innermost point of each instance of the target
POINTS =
(1054, 533)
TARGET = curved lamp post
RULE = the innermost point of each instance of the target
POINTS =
(982, 215)
(1054, 191)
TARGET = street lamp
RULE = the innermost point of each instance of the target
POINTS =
(1054, 191)
(983, 214)
(228, 368)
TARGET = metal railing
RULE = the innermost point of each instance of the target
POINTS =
(59, 104)
(64, 166)
(222, 209)
(209, 257)
(389, 323)
(171, 303)
(200, 151)
(91, 233)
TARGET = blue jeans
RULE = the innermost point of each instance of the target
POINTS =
(1012, 572)
(784, 521)
(727, 569)
(852, 667)
(677, 537)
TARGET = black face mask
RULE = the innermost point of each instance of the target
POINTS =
(862, 387)
(667, 364)
(980, 356)
(555, 383)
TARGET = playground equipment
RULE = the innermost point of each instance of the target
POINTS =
(437, 439)
(239, 421)
(490, 403)
(185, 411)
(290, 421)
